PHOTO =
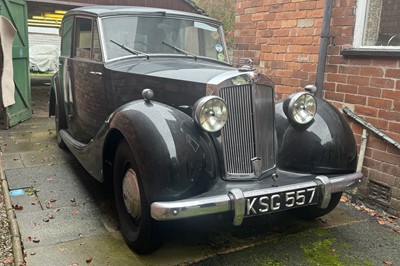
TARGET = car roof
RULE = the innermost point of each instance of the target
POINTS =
(111, 10)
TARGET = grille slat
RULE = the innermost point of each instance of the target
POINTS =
(238, 132)
(242, 138)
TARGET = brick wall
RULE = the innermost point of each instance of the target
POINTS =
(283, 37)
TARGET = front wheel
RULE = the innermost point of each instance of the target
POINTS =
(313, 212)
(141, 232)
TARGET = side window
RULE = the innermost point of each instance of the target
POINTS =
(66, 37)
(83, 38)
(96, 51)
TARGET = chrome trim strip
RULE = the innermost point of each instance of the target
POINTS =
(234, 200)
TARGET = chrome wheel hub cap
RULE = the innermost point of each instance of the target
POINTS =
(131, 193)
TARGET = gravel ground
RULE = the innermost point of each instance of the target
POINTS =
(6, 255)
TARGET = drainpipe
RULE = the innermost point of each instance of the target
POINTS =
(323, 47)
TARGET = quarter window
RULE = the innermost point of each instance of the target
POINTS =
(377, 24)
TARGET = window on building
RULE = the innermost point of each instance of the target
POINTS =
(377, 24)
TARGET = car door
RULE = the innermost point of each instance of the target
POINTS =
(86, 95)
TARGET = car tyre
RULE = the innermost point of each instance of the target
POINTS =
(61, 123)
(141, 232)
(313, 212)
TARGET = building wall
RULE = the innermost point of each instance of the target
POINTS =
(283, 37)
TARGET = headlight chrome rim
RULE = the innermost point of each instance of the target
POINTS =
(210, 113)
(301, 108)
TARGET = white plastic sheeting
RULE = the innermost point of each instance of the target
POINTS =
(44, 58)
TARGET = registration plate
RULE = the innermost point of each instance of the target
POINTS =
(281, 201)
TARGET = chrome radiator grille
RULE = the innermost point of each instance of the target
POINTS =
(249, 131)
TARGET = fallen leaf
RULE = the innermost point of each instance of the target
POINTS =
(35, 240)
(18, 207)
(51, 216)
(8, 260)
(74, 212)
(381, 222)
(73, 200)
(16, 159)
(397, 229)
(89, 259)
(48, 205)
(61, 249)
(53, 200)
(388, 262)
(393, 217)
(32, 253)
(57, 210)
(46, 219)
(29, 238)
(344, 199)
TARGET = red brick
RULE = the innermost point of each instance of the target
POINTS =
(300, 74)
(308, 5)
(358, 80)
(366, 111)
(337, 78)
(385, 62)
(360, 62)
(385, 157)
(391, 94)
(283, 16)
(389, 115)
(392, 73)
(298, 14)
(345, 88)
(369, 91)
(371, 72)
(355, 99)
(311, 49)
(334, 96)
(380, 103)
(278, 49)
(256, 17)
(377, 122)
(278, 64)
(348, 21)
(382, 83)
(395, 127)
(350, 70)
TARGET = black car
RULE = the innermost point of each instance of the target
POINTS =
(146, 98)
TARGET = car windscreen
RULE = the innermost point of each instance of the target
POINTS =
(127, 35)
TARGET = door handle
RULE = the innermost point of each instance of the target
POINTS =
(96, 73)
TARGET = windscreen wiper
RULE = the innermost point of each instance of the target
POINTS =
(130, 50)
(179, 50)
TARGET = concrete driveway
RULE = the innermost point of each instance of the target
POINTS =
(65, 218)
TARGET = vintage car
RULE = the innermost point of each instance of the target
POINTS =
(147, 101)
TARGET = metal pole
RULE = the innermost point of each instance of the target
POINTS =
(323, 46)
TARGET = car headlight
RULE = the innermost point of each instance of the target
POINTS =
(300, 107)
(210, 113)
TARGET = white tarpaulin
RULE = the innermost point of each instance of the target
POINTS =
(44, 58)
(7, 33)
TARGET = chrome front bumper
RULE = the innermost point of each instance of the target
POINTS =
(235, 199)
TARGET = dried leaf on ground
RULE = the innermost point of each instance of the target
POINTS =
(18, 207)
(74, 212)
(344, 199)
(388, 262)
(89, 259)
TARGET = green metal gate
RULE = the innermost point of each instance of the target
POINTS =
(16, 12)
